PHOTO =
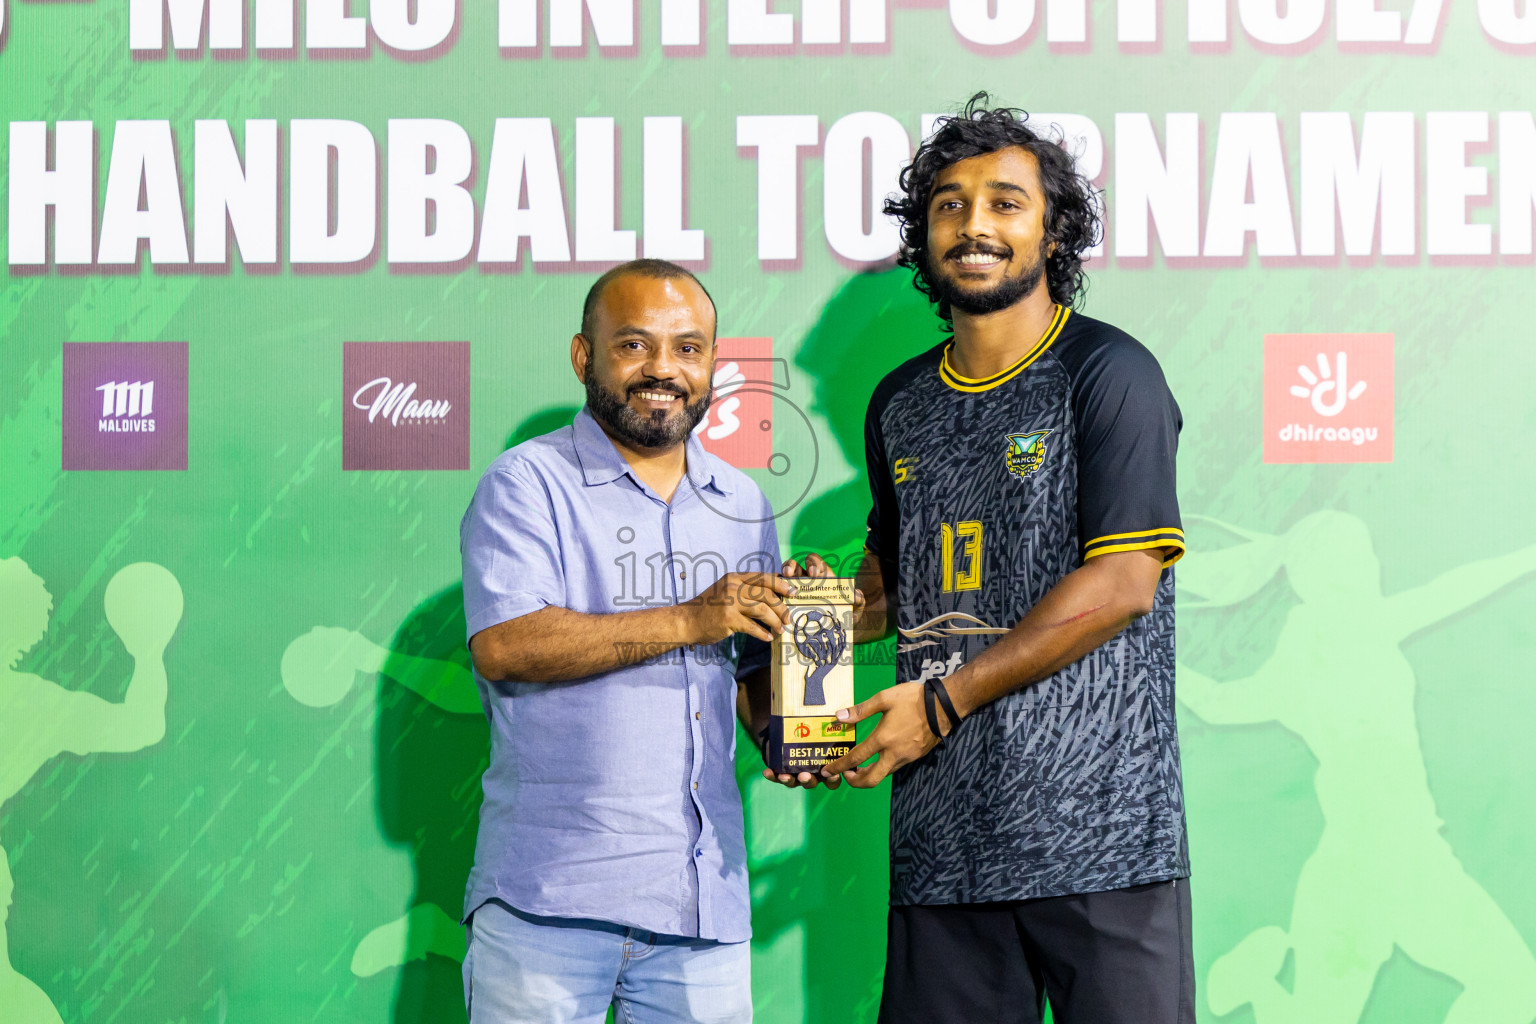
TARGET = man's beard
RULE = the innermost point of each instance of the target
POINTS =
(660, 429)
(1000, 296)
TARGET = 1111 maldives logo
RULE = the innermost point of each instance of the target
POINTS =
(125, 406)
(1328, 398)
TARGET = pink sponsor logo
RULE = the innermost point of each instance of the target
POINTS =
(405, 405)
(1328, 397)
(739, 425)
(125, 405)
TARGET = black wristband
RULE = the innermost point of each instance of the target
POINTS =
(942, 693)
(762, 745)
(931, 710)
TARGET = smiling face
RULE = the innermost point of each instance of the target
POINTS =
(647, 359)
(986, 231)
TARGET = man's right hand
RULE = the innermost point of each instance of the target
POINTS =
(804, 780)
(739, 602)
(816, 567)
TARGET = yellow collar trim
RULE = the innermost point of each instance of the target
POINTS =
(973, 384)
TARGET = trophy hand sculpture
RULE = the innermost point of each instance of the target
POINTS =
(812, 677)
(820, 640)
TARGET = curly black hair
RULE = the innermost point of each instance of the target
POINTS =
(1072, 219)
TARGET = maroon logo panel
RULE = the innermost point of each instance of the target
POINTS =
(405, 405)
(125, 405)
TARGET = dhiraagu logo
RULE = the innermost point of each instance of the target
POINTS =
(1328, 398)
(1329, 389)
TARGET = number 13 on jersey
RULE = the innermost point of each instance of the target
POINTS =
(960, 570)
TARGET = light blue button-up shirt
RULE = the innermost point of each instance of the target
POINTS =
(613, 798)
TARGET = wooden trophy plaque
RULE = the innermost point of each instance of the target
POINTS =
(812, 677)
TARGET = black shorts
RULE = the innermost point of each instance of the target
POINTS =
(1117, 957)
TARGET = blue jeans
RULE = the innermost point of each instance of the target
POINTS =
(522, 969)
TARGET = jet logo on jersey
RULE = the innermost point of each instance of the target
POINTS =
(1026, 452)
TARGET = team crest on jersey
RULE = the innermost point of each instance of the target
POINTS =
(1026, 452)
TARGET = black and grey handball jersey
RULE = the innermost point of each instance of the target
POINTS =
(986, 493)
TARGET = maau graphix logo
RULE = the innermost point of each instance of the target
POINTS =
(405, 405)
(125, 405)
(1328, 397)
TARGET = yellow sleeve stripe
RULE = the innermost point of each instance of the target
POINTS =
(1136, 533)
(1167, 534)
(1144, 545)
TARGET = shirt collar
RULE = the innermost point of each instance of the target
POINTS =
(601, 462)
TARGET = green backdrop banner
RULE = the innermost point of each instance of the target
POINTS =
(282, 278)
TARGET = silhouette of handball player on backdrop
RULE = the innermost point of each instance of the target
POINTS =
(39, 719)
(319, 668)
(23, 1001)
(873, 322)
(431, 749)
(1382, 874)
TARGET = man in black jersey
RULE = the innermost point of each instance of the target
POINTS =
(1024, 525)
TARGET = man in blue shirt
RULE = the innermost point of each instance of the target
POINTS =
(614, 572)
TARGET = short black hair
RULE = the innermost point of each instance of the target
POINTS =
(1072, 219)
(654, 268)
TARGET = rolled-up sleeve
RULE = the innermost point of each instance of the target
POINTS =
(510, 549)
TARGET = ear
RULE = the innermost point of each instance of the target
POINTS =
(581, 356)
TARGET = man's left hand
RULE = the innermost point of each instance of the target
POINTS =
(901, 737)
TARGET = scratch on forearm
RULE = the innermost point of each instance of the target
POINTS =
(1081, 615)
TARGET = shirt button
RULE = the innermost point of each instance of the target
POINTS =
(697, 715)
(682, 574)
(695, 785)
